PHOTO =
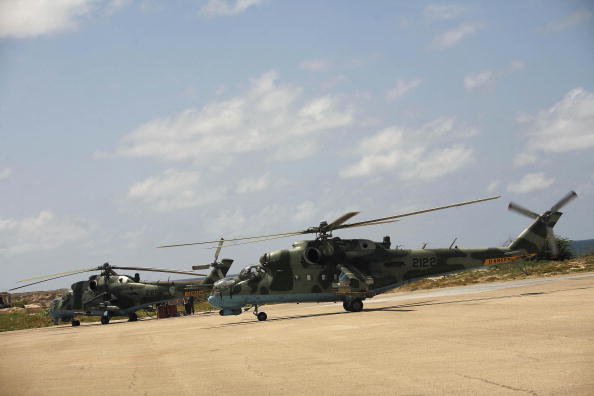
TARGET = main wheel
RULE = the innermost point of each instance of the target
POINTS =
(262, 316)
(356, 305)
(221, 312)
(132, 317)
(104, 319)
(347, 306)
(75, 323)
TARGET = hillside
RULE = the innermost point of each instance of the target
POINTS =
(581, 248)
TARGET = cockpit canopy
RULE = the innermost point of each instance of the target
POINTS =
(252, 272)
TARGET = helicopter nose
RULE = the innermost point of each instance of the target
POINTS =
(215, 301)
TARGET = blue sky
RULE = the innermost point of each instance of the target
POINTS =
(129, 124)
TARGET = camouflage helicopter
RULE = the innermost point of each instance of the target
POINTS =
(328, 268)
(110, 294)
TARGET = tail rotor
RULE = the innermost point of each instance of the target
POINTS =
(548, 219)
(215, 264)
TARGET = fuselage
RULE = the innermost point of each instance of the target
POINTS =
(338, 269)
(119, 295)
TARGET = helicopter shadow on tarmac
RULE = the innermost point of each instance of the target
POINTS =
(399, 307)
(293, 317)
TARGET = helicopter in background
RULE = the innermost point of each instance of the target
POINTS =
(329, 269)
(109, 294)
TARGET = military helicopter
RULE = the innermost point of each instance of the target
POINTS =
(110, 294)
(329, 268)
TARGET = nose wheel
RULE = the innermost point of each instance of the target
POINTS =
(355, 305)
(260, 315)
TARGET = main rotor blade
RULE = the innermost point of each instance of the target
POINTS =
(280, 235)
(216, 256)
(158, 270)
(340, 220)
(522, 210)
(571, 195)
(362, 223)
(552, 242)
(317, 229)
(45, 280)
(78, 271)
(370, 223)
(256, 241)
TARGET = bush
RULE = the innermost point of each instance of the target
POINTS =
(565, 253)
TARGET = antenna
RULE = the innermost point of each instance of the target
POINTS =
(454, 241)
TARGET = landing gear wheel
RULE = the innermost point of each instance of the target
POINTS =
(347, 306)
(132, 317)
(262, 316)
(75, 323)
(105, 319)
(356, 305)
(221, 312)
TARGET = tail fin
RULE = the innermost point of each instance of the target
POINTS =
(540, 233)
(219, 271)
(534, 238)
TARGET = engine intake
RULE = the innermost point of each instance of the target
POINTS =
(312, 255)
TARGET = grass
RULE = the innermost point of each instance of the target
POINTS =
(23, 320)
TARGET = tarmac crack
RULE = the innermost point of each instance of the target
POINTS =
(530, 392)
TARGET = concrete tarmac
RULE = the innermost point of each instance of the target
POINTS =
(534, 338)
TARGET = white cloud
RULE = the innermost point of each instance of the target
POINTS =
(269, 115)
(493, 186)
(564, 127)
(228, 224)
(295, 151)
(531, 182)
(443, 11)
(568, 21)
(214, 8)
(424, 153)
(333, 82)
(362, 61)
(487, 78)
(5, 173)
(236, 223)
(134, 238)
(477, 80)
(44, 231)
(452, 37)
(316, 65)
(21, 18)
(516, 64)
(32, 18)
(172, 190)
(304, 211)
(250, 184)
(402, 87)
(524, 159)
(439, 162)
